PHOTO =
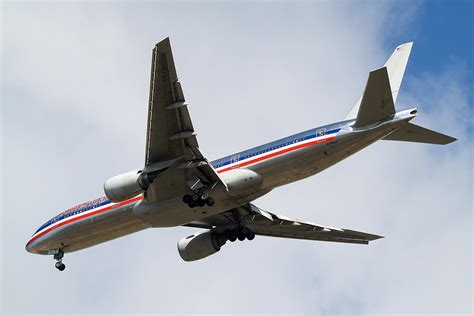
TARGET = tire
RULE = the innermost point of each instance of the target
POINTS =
(187, 198)
(60, 266)
(232, 238)
(195, 197)
(251, 236)
(241, 237)
(201, 203)
(210, 201)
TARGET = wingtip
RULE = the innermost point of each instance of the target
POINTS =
(452, 140)
(164, 41)
(447, 140)
(375, 237)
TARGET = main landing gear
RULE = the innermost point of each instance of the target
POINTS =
(198, 199)
(58, 256)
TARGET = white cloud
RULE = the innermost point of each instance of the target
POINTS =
(74, 95)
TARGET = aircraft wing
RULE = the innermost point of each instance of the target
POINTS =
(268, 224)
(172, 149)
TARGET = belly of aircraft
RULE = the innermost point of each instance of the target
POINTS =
(294, 166)
(276, 171)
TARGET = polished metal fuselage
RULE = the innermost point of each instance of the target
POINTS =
(275, 171)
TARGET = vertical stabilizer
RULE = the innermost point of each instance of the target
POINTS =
(377, 100)
(395, 65)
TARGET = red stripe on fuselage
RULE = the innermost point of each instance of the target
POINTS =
(270, 155)
(243, 164)
(51, 228)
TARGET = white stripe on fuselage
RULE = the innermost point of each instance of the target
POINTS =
(274, 151)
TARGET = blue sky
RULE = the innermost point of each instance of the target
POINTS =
(74, 105)
(443, 32)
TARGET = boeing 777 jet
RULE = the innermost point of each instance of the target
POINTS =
(179, 186)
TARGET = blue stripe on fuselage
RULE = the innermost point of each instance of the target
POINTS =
(87, 206)
(312, 133)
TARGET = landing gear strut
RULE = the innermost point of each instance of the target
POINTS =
(58, 256)
(198, 199)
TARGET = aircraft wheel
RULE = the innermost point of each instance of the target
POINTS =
(251, 236)
(60, 266)
(210, 201)
(195, 197)
(241, 237)
(201, 203)
(232, 238)
(187, 198)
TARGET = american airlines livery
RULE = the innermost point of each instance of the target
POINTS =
(178, 186)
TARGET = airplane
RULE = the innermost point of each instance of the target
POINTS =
(178, 186)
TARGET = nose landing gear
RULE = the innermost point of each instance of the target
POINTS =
(58, 256)
(60, 266)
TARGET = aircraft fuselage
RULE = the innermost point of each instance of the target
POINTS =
(277, 163)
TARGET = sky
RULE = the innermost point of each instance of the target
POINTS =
(74, 92)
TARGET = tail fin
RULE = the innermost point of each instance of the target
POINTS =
(395, 65)
(414, 133)
(377, 101)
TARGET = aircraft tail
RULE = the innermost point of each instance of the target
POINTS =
(413, 133)
(395, 69)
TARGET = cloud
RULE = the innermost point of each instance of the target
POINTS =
(74, 95)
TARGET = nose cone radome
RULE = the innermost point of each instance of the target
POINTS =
(32, 246)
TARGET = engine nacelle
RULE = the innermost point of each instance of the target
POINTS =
(200, 246)
(241, 181)
(124, 186)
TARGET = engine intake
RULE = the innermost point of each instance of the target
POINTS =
(200, 246)
(126, 185)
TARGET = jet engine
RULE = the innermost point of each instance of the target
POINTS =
(126, 185)
(200, 246)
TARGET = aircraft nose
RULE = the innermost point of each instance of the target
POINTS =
(31, 246)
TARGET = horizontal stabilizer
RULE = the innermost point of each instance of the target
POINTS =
(414, 133)
(377, 101)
